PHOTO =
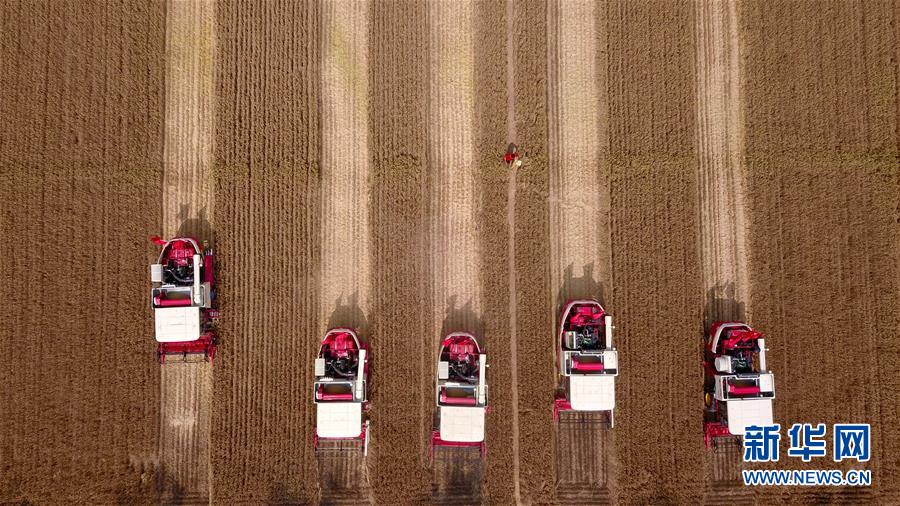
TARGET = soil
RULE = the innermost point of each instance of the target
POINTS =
(683, 162)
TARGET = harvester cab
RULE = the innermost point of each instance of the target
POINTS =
(587, 361)
(461, 393)
(340, 393)
(183, 298)
(739, 389)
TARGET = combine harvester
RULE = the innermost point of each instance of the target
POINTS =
(461, 392)
(587, 361)
(183, 298)
(738, 388)
(340, 393)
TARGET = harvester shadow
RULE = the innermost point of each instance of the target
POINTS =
(349, 315)
(280, 495)
(722, 305)
(146, 486)
(343, 478)
(195, 226)
(462, 319)
(584, 287)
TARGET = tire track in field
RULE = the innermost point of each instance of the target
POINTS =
(186, 389)
(344, 283)
(580, 261)
(722, 252)
(455, 251)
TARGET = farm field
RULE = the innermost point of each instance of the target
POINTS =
(683, 162)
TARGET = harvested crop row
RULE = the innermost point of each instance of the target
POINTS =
(187, 205)
(344, 283)
(190, 101)
(345, 280)
(79, 195)
(185, 409)
(455, 246)
(267, 210)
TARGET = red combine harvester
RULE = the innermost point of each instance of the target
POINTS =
(588, 362)
(183, 298)
(738, 389)
(340, 393)
(461, 393)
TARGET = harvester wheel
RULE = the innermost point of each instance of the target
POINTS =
(707, 400)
